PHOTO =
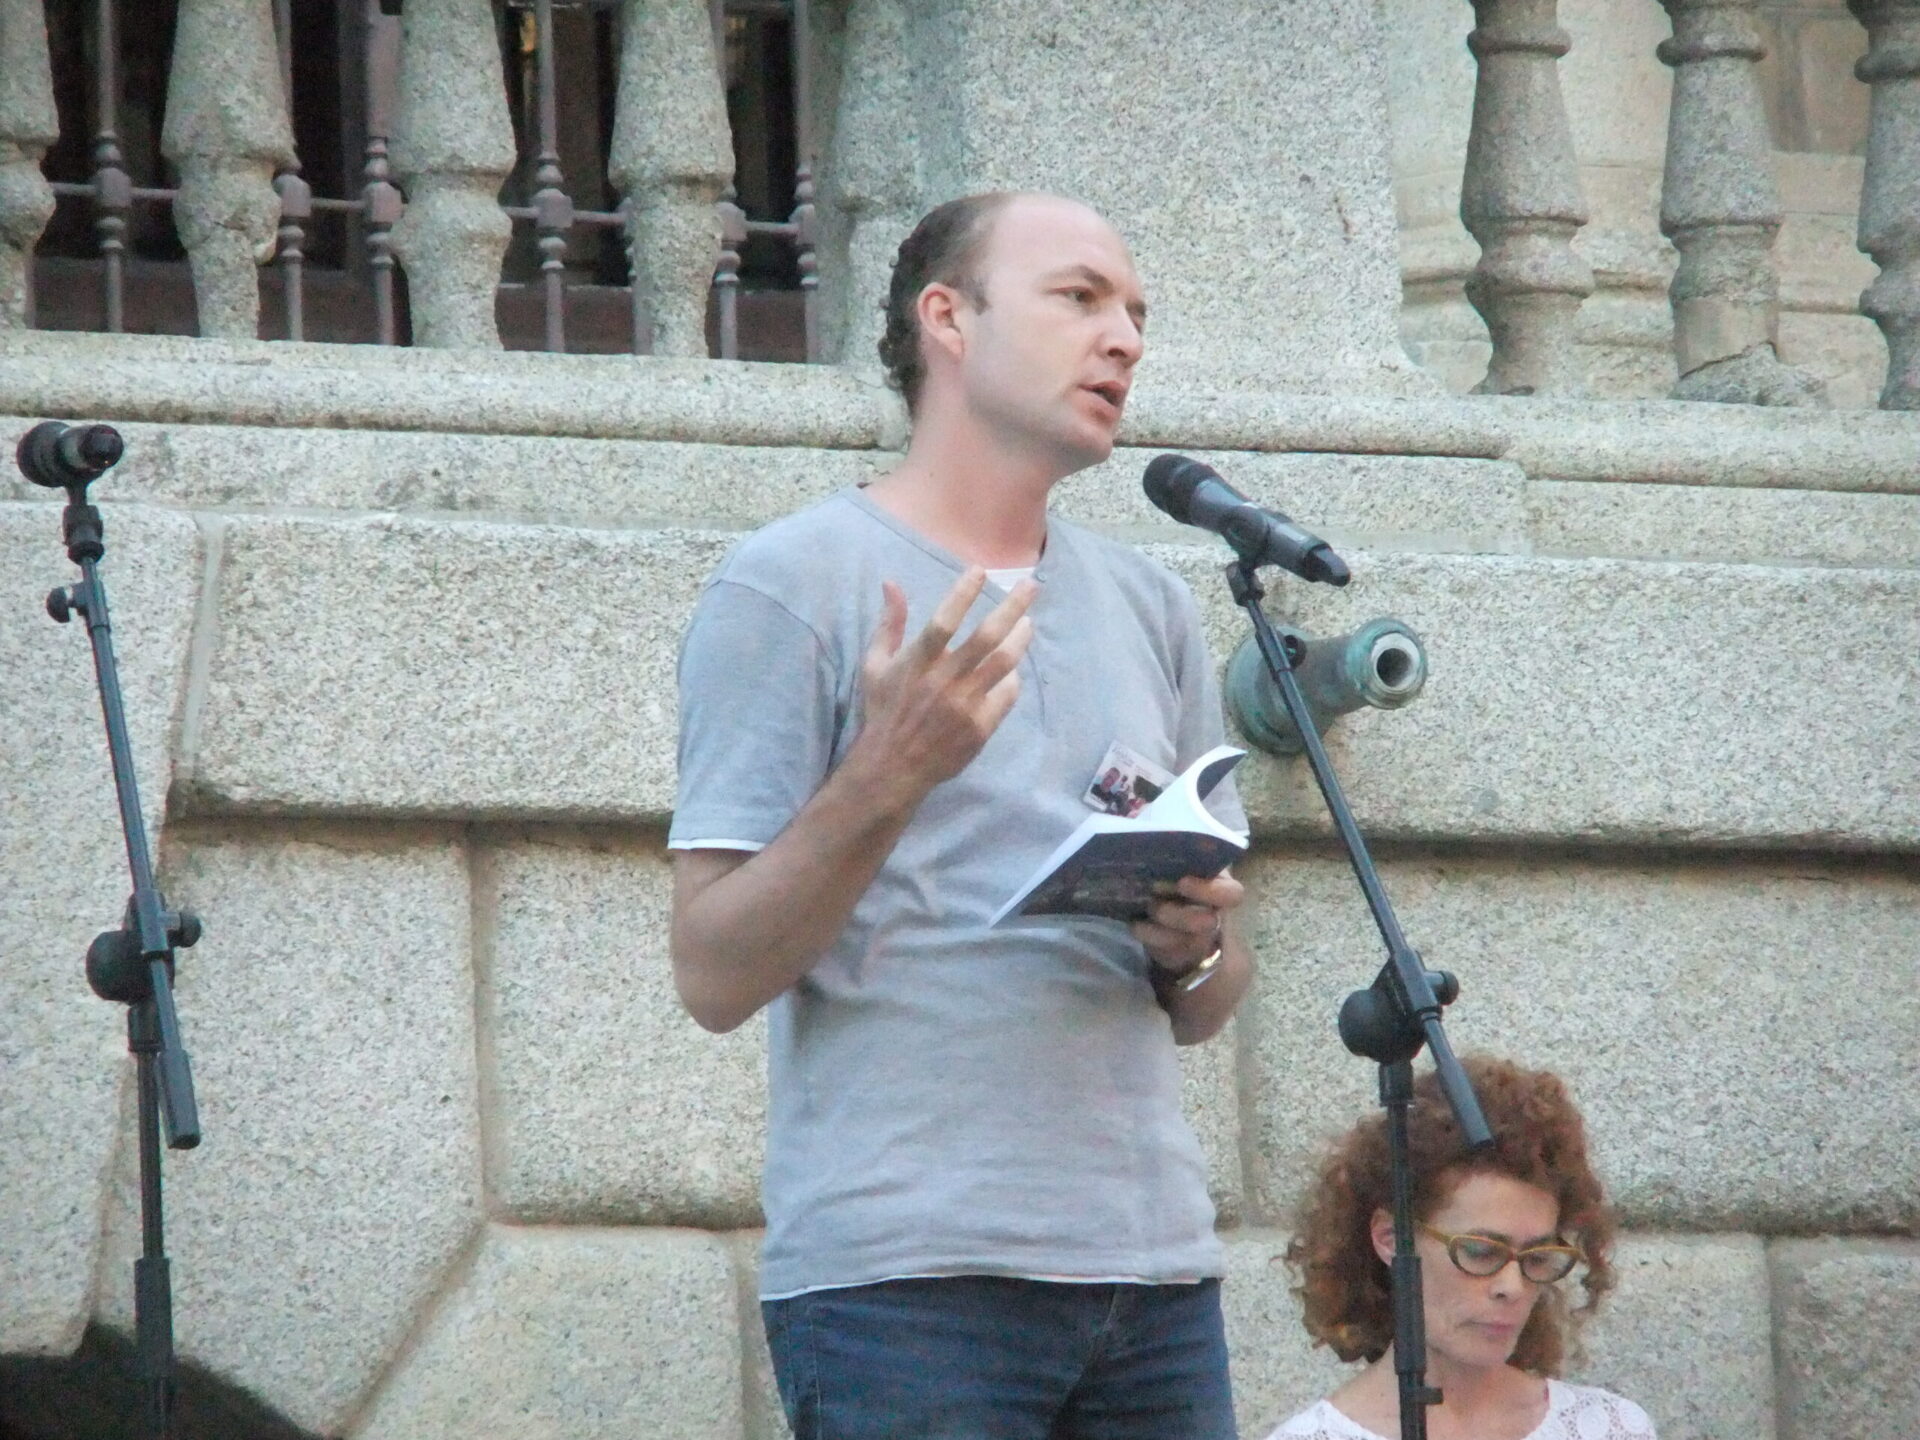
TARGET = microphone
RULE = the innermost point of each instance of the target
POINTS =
(1194, 494)
(63, 457)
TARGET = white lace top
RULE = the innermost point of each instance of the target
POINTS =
(1574, 1412)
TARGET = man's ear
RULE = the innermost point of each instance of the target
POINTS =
(1382, 1232)
(939, 309)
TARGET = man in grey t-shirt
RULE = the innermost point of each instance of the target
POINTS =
(986, 1216)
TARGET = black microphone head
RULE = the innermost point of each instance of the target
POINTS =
(1329, 568)
(1171, 480)
(62, 456)
(96, 448)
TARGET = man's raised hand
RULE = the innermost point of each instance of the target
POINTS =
(928, 704)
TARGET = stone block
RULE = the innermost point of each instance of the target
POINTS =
(1277, 1369)
(575, 1334)
(1381, 501)
(1686, 1333)
(329, 1014)
(1847, 1326)
(1289, 283)
(1707, 1017)
(1717, 523)
(392, 665)
(171, 378)
(62, 1050)
(607, 1102)
(1845, 352)
(625, 483)
(1682, 443)
(766, 1417)
(1614, 701)
(1210, 1096)
(1832, 102)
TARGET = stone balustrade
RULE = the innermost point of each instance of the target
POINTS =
(1719, 204)
(437, 128)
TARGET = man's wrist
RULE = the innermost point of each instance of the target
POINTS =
(1192, 977)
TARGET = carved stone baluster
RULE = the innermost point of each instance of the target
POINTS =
(1890, 197)
(28, 125)
(871, 182)
(1721, 209)
(226, 133)
(1520, 198)
(452, 147)
(672, 158)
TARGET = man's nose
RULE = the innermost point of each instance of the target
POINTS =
(1124, 340)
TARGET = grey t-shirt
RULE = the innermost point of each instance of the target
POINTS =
(945, 1098)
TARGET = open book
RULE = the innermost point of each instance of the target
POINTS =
(1110, 865)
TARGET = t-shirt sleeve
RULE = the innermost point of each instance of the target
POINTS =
(759, 714)
(1202, 723)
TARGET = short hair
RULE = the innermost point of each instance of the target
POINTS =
(1346, 1290)
(944, 249)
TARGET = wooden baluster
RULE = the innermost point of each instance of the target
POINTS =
(1520, 198)
(296, 195)
(452, 147)
(380, 203)
(870, 177)
(805, 228)
(28, 125)
(226, 133)
(553, 207)
(672, 158)
(112, 185)
(1890, 196)
(726, 274)
(1721, 209)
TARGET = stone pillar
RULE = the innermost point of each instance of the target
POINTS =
(226, 133)
(1890, 198)
(28, 125)
(672, 158)
(1241, 151)
(1719, 206)
(452, 148)
(872, 190)
(1521, 199)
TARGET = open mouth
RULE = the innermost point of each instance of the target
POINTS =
(1111, 391)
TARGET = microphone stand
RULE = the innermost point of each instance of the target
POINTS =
(134, 963)
(1387, 1022)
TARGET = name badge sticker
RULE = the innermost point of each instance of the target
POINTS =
(1126, 782)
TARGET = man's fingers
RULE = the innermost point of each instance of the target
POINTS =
(997, 625)
(1221, 892)
(1177, 915)
(1004, 658)
(992, 707)
(892, 628)
(952, 609)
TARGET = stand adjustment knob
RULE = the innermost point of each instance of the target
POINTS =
(60, 604)
(183, 928)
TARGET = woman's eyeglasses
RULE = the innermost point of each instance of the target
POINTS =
(1482, 1255)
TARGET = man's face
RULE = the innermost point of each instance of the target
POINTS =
(1048, 361)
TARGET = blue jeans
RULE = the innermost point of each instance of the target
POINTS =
(980, 1357)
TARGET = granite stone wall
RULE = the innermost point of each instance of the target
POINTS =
(398, 628)
(404, 704)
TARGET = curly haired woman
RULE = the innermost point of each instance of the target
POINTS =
(1497, 1234)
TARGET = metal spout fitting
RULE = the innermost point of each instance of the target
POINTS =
(1381, 664)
